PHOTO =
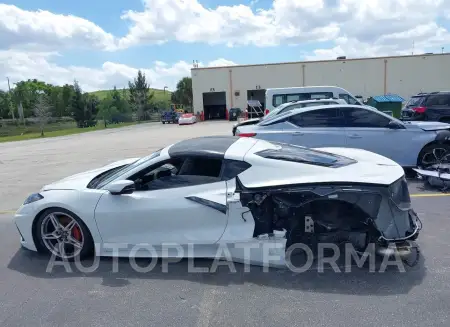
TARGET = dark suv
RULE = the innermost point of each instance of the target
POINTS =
(434, 106)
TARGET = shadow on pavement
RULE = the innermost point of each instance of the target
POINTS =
(359, 281)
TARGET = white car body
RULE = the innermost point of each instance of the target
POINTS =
(206, 216)
(187, 119)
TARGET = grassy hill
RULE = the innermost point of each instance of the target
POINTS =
(159, 95)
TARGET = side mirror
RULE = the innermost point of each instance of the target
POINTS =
(121, 187)
(394, 125)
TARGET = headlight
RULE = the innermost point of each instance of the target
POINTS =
(399, 194)
(33, 198)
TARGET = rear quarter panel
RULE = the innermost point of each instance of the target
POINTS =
(275, 133)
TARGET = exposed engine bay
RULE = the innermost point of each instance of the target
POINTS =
(355, 214)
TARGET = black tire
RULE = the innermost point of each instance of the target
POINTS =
(163, 122)
(427, 155)
(87, 248)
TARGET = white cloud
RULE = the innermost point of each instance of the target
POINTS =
(420, 39)
(45, 30)
(19, 65)
(29, 40)
(376, 22)
(189, 21)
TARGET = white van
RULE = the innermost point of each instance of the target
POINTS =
(278, 96)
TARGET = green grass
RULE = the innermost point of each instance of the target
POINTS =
(158, 95)
(59, 130)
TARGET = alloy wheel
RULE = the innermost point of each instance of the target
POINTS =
(435, 156)
(62, 235)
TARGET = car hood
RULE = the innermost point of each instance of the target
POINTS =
(81, 180)
(428, 125)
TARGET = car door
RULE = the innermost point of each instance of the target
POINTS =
(369, 130)
(187, 209)
(317, 128)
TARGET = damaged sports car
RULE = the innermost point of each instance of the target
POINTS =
(200, 194)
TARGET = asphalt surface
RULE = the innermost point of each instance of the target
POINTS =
(30, 296)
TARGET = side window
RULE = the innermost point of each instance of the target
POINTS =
(292, 97)
(232, 168)
(318, 118)
(438, 100)
(178, 172)
(352, 100)
(201, 166)
(277, 100)
(289, 108)
(344, 97)
(320, 95)
(358, 117)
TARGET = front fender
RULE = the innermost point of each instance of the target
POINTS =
(443, 136)
(81, 203)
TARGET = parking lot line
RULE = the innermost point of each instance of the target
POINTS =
(7, 212)
(424, 195)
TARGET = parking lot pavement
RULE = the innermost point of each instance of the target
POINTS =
(30, 296)
(28, 165)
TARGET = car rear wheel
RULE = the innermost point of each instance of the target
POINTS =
(434, 154)
(63, 234)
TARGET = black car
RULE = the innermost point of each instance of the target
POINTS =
(434, 106)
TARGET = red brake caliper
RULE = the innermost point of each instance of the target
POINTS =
(76, 233)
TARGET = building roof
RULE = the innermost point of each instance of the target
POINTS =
(322, 61)
(388, 98)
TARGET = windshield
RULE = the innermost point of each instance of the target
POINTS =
(414, 101)
(108, 178)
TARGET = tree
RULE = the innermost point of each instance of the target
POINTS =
(42, 111)
(140, 95)
(77, 105)
(183, 92)
(91, 103)
(107, 109)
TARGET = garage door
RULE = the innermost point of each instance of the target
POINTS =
(258, 95)
(214, 105)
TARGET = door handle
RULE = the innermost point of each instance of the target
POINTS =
(355, 136)
(297, 133)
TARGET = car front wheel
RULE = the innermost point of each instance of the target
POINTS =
(434, 154)
(63, 234)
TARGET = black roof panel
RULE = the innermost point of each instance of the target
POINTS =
(207, 146)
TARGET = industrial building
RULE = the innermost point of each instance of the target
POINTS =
(217, 89)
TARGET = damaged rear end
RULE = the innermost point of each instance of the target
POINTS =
(346, 208)
(360, 214)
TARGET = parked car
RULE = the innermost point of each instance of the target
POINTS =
(288, 107)
(201, 193)
(410, 144)
(433, 106)
(169, 117)
(187, 119)
(278, 96)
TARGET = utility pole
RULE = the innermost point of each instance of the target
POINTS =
(11, 107)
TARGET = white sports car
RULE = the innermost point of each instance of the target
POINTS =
(204, 193)
(187, 119)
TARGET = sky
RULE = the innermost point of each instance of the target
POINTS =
(102, 43)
